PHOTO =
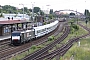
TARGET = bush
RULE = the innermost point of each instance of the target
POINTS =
(50, 38)
(1, 15)
(45, 23)
(33, 47)
(75, 26)
(39, 46)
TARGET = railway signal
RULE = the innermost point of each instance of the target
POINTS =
(86, 22)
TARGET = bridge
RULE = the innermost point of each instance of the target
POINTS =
(72, 10)
(78, 14)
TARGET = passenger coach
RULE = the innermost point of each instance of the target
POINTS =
(22, 36)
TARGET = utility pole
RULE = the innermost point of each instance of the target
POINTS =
(76, 16)
(33, 10)
(23, 9)
(47, 11)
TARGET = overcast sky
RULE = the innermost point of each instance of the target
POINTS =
(79, 5)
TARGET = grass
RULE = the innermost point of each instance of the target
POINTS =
(33, 49)
(81, 52)
(75, 49)
(74, 34)
(83, 23)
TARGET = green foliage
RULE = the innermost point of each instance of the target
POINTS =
(33, 47)
(45, 23)
(50, 16)
(75, 26)
(72, 21)
(40, 46)
(79, 52)
(50, 38)
(41, 12)
(72, 13)
(1, 15)
(51, 11)
(12, 9)
(9, 9)
(86, 13)
(36, 9)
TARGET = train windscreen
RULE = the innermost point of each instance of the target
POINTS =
(15, 34)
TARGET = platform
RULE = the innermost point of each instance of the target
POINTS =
(4, 37)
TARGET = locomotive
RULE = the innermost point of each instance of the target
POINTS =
(22, 36)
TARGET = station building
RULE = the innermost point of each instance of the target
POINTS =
(8, 26)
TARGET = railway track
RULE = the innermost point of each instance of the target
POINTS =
(4, 45)
(61, 51)
(84, 27)
(22, 48)
(48, 47)
(64, 48)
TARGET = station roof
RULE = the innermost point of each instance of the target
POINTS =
(12, 22)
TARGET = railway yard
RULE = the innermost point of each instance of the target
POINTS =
(49, 47)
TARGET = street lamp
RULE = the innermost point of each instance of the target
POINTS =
(47, 11)
(23, 9)
(48, 8)
(33, 10)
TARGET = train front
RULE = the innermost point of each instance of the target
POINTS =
(15, 38)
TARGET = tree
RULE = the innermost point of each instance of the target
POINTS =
(30, 10)
(12, 9)
(36, 9)
(86, 13)
(50, 16)
(9, 9)
(1, 15)
(41, 12)
(72, 13)
(25, 9)
(51, 11)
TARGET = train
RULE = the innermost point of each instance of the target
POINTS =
(21, 36)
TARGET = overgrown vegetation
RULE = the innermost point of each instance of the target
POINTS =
(34, 48)
(50, 38)
(1, 15)
(81, 52)
(76, 52)
(77, 31)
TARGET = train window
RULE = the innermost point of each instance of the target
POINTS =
(43, 30)
(27, 34)
(38, 31)
(15, 34)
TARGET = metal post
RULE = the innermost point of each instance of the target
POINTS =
(77, 16)
(47, 9)
(23, 10)
(33, 11)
